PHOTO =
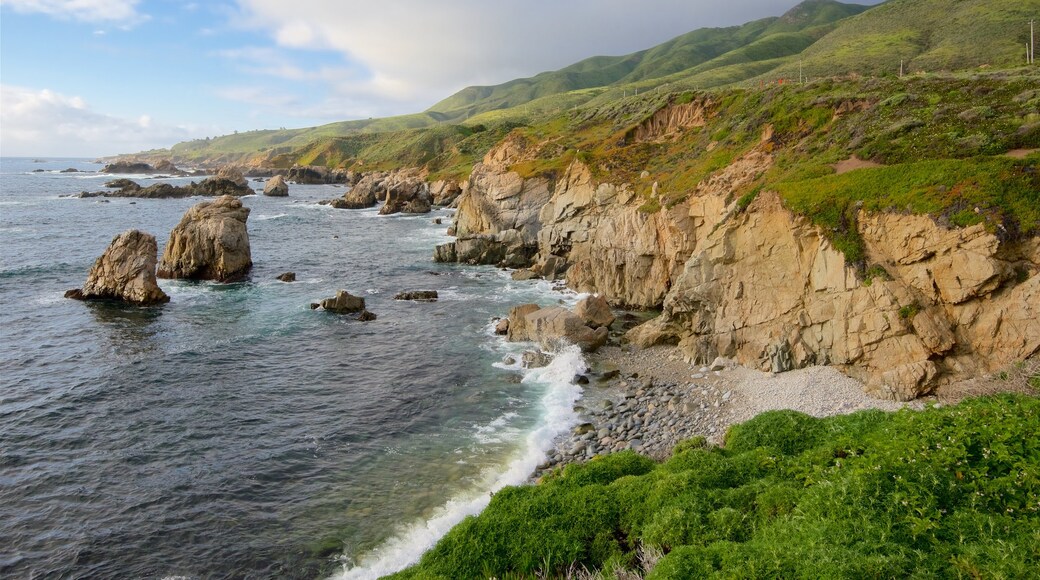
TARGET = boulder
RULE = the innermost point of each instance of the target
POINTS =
(228, 181)
(551, 325)
(409, 195)
(126, 272)
(167, 166)
(211, 242)
(366, 316)
(287, 277)
(417, 295)
(595, 311)
(445, 192)
(276, 187)
(517, 330)
(70, 170)
(344, 303)
(502, 327)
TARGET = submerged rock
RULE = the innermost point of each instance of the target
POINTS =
(125, 272)
(417, 296)
(211, 242)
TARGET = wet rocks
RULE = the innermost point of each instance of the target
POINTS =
(287, 277)
(210, 243)
(549, 326)
(125, 272)
(276, 187)
(345, 303)
(129, 167)
(417, 296)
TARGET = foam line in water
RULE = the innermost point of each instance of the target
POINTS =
(558, 417)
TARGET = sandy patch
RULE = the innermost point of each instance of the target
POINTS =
(853, 163)
(1020, 153)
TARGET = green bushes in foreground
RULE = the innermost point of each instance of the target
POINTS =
(941, 493)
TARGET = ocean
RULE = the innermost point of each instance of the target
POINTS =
(235, 432)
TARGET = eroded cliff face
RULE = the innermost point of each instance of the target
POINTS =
(763, 285)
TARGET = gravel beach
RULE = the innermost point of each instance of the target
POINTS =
(649, 400)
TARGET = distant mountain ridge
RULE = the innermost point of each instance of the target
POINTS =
(817, 38)
(699, 48)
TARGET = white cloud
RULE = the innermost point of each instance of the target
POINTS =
(112, 11)
(418, 51)
(43, 122)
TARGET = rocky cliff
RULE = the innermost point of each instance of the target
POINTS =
(757, 282)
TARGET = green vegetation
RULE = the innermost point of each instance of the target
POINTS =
(940, 493)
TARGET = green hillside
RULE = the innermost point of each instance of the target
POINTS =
(763, 39)
(928, 35)
(823, 38)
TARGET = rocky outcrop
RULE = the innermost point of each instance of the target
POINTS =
(129, 167)
(758, 284)
(287, 277)
(276, 187)
(671, 120)
(125, 272)
(417, 296)
(228, 181)
(595, 311)
(445, 192)
(345, 303)
(768, 289)
(210, 243)
(407, 196)
(551, 326)
(317, 175)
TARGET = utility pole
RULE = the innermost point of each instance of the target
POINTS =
(900, 68)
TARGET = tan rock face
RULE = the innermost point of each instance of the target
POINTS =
(210, 243)
(276, 187)
(764, 286)
(549, 326)
(126, 271)
(595, 311)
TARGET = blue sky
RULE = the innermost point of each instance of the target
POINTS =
(100, 77)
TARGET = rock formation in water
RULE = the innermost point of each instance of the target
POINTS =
(417, 295)
(345, 303)
(210, 243)
(276, 187)
(125, 272)
(228, 181)
(287, 277)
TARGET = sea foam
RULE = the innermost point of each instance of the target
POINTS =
(558, 417)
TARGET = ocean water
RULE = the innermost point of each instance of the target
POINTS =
(234, 432)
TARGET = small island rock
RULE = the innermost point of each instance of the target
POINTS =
(126, 272)
(287, 277)
(210, 243)
(276, 187)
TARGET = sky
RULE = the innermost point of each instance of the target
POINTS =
(85, 78)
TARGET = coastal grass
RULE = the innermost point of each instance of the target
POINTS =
(950, 492)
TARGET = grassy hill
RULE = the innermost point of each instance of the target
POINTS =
(928, 35)
(763, 39)
(823, 38)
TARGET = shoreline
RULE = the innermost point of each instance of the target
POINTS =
(649, 400)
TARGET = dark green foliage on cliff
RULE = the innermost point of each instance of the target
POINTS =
(941, 493)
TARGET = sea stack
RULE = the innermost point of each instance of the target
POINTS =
(125, 272)
(276, 187)
(210, 243)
